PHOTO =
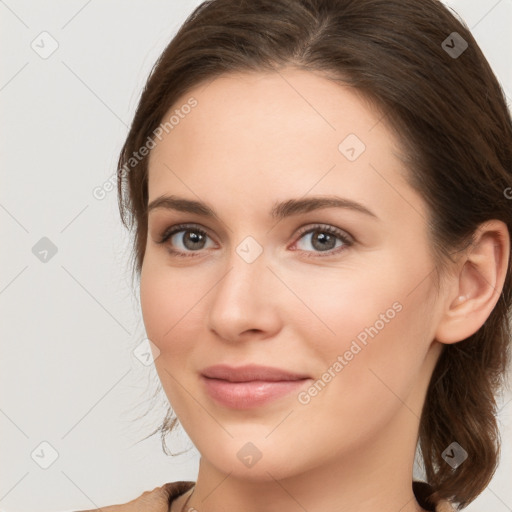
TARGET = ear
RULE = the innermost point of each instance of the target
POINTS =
(475, 288)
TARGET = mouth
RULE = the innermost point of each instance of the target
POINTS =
(250, 386)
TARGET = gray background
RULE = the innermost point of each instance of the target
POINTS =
(70, 323)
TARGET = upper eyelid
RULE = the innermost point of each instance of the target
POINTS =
(177, 228)
(328, 227)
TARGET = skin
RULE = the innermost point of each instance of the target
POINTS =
(255, 139)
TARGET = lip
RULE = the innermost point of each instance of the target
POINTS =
(250, 372)
(250, 386)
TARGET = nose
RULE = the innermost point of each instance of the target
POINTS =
(245, 302)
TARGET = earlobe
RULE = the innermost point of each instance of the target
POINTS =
(475, 290)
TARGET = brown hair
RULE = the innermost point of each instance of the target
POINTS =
(453, 121)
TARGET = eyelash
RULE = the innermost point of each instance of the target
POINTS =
(323, 228)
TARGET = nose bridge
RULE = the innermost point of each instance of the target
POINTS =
(245, 278)
(242, 298)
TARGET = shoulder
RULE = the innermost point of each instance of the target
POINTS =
(157, 500)
(444, 506)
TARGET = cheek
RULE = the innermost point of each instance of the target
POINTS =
(153, 300)
(340, 304)
(158, 301)
(171, 310)
(369, 373)
(172, 304)
(379, 321)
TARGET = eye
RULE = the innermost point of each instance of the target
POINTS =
(186, 237)
(324, 239)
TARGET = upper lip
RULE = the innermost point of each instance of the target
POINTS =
(250, 372)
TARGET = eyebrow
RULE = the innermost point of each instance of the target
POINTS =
(279, 210)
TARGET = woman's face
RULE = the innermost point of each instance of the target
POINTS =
(342, 294)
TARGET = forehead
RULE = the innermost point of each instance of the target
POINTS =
(292, 104)
(280, 134)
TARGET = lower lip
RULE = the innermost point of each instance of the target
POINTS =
(245, 395)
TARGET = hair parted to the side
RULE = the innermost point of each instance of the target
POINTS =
(452, 119)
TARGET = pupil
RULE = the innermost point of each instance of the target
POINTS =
(194, 238)
(324, 239)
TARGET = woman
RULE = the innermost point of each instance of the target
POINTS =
(318, 191)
